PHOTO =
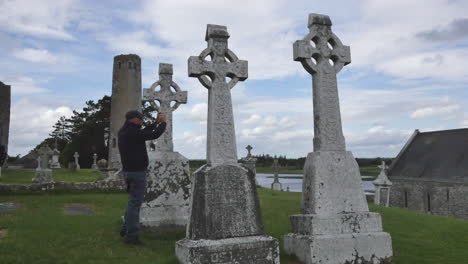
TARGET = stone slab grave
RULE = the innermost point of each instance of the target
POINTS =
(276, 185)
(225, 223)
(6, 207)
(77, 209)
(335, 225)
(167, 199)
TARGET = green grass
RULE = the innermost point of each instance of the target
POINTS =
(39, 232)
(25, 175)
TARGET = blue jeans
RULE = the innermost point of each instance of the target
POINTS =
(136, 182)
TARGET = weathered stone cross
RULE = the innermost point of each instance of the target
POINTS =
(165, 96)
(276, 169)
(221, 138)
(44, 154)
(383, 166)
(249, 148)
(323, 55)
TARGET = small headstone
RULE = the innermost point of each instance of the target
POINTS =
(382, 187)
(250, 161)
(335, 225)
(225, 224)
(94, 166)
(77, 163)
(276, 185)
(55, 163)
(6, 207)
(77, 209)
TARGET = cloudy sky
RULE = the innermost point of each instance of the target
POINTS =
(408, 71)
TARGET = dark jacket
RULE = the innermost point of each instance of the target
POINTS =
(132, 145)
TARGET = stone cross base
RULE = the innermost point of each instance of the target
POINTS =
(224, 203)
(335, 226)
(55, 165)
(94, 167)
(248, 250)
(276, 186)
(167, 199)
(363, 248)
(43, 176)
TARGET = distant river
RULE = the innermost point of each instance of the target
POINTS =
(295, 184)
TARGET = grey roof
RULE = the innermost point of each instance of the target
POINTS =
(438, 155)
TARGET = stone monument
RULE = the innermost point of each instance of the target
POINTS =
(335, 225)
(55, 164)
(382, 187)
(5, 104)
(126, 96)
(77, 163)
(250, 161)
(94, 166)
(43, 173)
(276, 185)
(167, 200)
(225, 224)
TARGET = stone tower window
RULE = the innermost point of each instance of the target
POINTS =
(120, 64)
(429, 202)
(448, 195)
(406, 198)
(129, 64)
(114, 143)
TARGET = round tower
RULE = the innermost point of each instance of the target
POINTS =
(5, 103)
(126, 96)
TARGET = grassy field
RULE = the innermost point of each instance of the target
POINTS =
(40, 232)
(25, 176)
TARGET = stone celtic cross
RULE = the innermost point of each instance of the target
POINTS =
(165, 96)
(383, 166)
(221, 138)
(323, 55)
(44, 154)
(249, 148)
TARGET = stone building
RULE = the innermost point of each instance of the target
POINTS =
(5, 103)
(430, 174)
(126, 95)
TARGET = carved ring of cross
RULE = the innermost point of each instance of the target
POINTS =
(322, 52)
(173, 85)
(205, 81)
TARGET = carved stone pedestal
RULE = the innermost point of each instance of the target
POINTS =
(167, 199)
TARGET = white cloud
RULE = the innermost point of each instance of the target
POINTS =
(35, 55)
(432, 111)
(31, 122)
(40, 18)
(24, 85)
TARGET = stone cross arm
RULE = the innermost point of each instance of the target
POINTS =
(198, 66)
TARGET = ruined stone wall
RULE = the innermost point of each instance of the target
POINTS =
(126, 96)
(434, 197)
(5, 103)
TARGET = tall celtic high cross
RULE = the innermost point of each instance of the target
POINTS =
(221, 138)
(165, 96)
(323, 55)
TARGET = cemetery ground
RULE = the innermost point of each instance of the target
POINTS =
(24, 176)
(41, 232)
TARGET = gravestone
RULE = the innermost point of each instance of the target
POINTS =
(6, 207)
(250, 161)
(5, 104)
(225, 224)
(43, 173)
(94, 166)
(77, 163)
(77, 209)
(335, 225)
(55, 164)
(167, 199)
(276, 185)
(382, 187)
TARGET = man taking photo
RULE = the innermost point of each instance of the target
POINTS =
(132, 147)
